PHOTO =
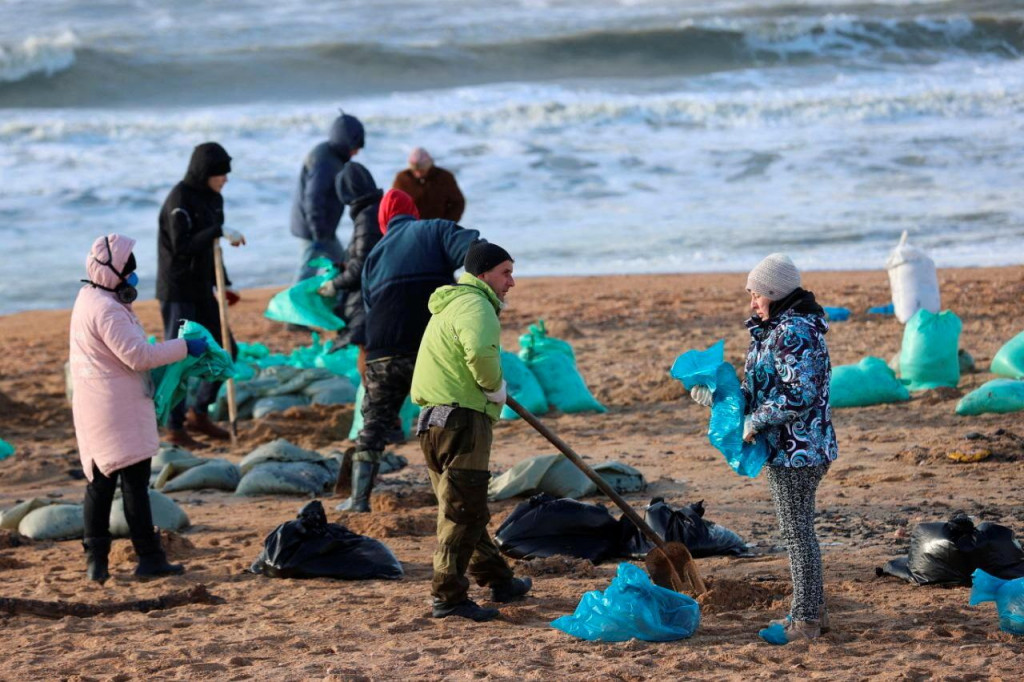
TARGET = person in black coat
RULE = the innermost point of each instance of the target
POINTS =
(357, 189)
(316, 208)
(191, 219)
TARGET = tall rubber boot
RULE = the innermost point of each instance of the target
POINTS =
(363, 474)
(96, 552)
(152, 558)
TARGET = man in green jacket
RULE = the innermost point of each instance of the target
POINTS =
(459, 383)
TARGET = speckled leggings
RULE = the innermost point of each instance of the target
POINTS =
(793, 492)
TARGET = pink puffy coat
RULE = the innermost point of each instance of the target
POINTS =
(115, 419)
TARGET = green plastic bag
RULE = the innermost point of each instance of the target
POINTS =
(408, 414)
(301, 304)
(553, 362)
(1009, 360)
(171, 380)
(869, 382)
(521, 385)
(250, 352)
(6, 449)
(928, 358)
(998, 396)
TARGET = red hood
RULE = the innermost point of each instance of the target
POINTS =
(395, 202)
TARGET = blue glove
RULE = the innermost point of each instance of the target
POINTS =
(196, 347)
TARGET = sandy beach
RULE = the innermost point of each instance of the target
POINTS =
(892, 473)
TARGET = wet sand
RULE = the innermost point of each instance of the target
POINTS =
(892, 474)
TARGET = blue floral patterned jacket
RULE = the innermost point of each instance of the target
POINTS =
(786, 386)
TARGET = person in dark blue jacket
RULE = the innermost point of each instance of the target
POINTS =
(316, 209)
(414, 258)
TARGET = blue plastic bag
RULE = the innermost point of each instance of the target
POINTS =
(725, 428)
(1008, 596)
(837, 314)
(887, 309)
(632, 608)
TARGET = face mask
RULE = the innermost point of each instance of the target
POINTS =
(125, 291)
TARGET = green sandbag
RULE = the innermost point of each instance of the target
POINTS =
(928, 357)
(1009, 360)
(521, 385)
(54, 522)
(290, 478)
(167, 515)
(11, 518)
(211, 474)
(171, 380)
(6, 449)
(408, 414)
(553, 362)
(998, 396)
(252, 351)
(301, 304)
(869, 382)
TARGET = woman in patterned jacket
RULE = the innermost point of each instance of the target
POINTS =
(786, 389)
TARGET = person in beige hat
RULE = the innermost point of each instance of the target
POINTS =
(786, 387)
(432, 188)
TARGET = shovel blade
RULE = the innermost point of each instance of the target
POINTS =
(673, 568)
(343, 486)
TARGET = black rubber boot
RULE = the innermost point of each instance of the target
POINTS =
(152, 559)
(363, 474)
(511, 590)
(464, 609)
(96, 552)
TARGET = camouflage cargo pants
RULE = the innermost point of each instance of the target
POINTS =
(458, 456)
(387, 383)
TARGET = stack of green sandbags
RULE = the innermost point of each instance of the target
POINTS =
(171, 381)
(553, 363)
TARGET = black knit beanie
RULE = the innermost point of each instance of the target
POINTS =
(482, 256)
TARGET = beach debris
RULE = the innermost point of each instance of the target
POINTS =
(197, 594)
(632, 607)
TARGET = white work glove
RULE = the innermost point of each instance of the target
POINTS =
(498, 396)
(701, 395)
(234, 237)
(748, 429)
(327, 289)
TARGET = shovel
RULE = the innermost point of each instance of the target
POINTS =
(225, 336)
(668, 562)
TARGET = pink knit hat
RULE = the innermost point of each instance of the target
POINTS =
(420, 158)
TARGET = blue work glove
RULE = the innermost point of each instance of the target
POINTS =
(196, 347)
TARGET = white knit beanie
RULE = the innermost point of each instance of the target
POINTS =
(774, 278)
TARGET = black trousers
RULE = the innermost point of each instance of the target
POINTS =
(206, 313)
(99, 497)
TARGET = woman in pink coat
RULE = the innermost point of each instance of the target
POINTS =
(115, 419)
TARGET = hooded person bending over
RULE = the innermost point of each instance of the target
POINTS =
(357, 189)
(112, 404)
(459, 383)
(191, 219)
(414, 258)
(316, 208)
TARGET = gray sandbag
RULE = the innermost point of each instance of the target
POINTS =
(333, 391)
(279, 450)
(281, 374)
(276, 403)
(167, 515)
(11, 518)
(218, 474)
(289, 478)
(301, 380)
(54, 522)
(621, 477)
(558, 477)
(167, 455)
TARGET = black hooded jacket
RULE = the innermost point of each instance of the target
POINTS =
(356, 188)
(191, 219)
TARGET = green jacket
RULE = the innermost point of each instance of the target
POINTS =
(460, 357)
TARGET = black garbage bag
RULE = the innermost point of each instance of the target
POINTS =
(686, 525)
(946, 553)
(310, 547)
(546, 526)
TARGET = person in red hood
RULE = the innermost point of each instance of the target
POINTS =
(412, 259)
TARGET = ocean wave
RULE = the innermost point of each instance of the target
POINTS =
(37, 55)
(55, 73)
